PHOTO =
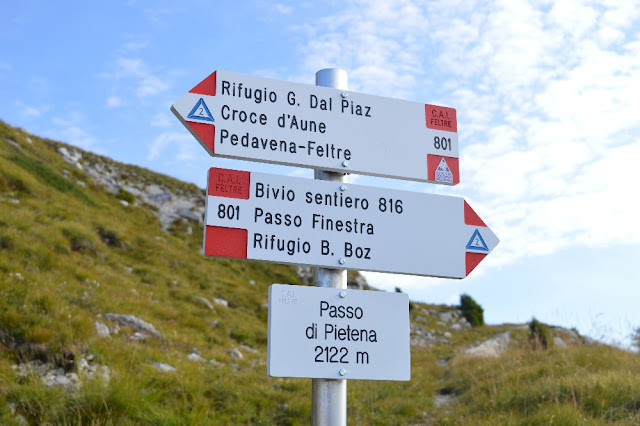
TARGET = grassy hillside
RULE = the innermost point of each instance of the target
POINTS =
(72, 252)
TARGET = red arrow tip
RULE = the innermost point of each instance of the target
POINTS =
(206, 86)
(471, 217)
(472, 260)
(206, 132)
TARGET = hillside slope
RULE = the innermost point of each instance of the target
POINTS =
(109, 314)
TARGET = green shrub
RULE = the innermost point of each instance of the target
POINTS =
(109, 237)
(472, 312)
(6, 242)
(79, 239)
(126, 196)
(46, 175)
(539, 335)
(10, 183)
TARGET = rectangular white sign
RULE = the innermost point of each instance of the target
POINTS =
(285, 219)
(327, 333)
(260, 119)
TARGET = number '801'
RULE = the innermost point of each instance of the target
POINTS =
(442, 143)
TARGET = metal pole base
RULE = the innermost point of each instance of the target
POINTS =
(329, 402)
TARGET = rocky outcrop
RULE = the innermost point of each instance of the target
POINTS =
(490, 348)
(423, 337)
(135, 323)
(168, 204)
(53, 375)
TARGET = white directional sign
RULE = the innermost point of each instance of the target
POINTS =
(243, 117)
(327, 333)
(328, 224)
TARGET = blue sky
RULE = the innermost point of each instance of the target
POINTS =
(546, 94)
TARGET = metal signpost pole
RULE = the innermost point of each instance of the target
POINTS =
(329, 396)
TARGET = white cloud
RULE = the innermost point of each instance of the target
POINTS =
(135, 75)
(161, 120)
(158, 15)
(547, 105)
(135, 45)
(113, 102)
(281, 9)
(30, 111)
(70, 130)
(377, 41)
(182, 146)
(151, 85)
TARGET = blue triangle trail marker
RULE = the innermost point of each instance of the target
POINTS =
(476, 242)
(201, 112)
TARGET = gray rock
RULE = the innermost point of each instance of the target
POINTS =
(101, 329)
(449, 316)
(443, 400)
(164, 367)
(138, 336)
(421, 337)
(557, 340)
(103, 373)
(58, 377)
(249, 349)
(220, 302)
(89, 370)
(195, 357)
(205, 302)
(13, 143)
(83, 364)
(160, 198)
(189, 215)
(490, 348)
(235, 353)
(18, 418)
(134, 322)
(71, 156)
